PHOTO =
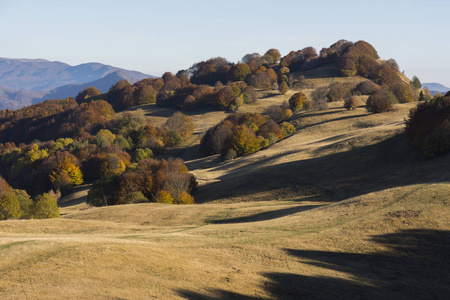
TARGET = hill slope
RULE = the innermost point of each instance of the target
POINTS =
(349, 211)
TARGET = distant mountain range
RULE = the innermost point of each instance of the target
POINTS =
(29, 81)
(436, 87)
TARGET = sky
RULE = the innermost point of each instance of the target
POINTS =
(169, 35)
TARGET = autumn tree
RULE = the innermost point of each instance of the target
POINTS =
(66, 175)
(244, 141)
(25, 203)
(404, 92)
(9, 207)
(239, 72)
(272, 56)
(180, 123)
(45, 206)
(392, 63)
(297, 101)
(86, 93)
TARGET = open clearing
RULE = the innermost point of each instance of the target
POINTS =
(341, 209)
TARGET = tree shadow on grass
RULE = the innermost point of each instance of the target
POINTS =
(415, 265)
(265, 216)
(388, 164)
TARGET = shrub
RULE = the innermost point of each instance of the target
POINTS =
(297, 101)
(367, 87)
(279, 112)
(271, 128)
(287, 128)
(381, 101)
(283, 88)
(163, 197)
(320, 104)
(134, 197)
(352, 102)
(230, 154)
(249, 94)
(185, 198)
(181, 124)
(428, 126)
(320, 93)
(338, 91)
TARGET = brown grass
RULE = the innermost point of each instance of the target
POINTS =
(342, 209)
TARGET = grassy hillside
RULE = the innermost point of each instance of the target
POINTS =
(343, 208)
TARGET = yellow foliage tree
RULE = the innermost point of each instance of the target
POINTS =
(164, 197)
(66, 174)
(9, 207)
(244, 141)
(45, 206)
(34, 154)
(113, 165)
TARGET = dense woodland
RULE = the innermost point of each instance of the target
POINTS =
(48, 148)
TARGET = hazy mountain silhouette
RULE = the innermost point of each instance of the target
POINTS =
(27, 81)
(436, 87)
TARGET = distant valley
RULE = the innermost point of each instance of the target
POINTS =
(29, 81)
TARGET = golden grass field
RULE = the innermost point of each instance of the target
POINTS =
(342, 209)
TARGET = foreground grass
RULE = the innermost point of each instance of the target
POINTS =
(386, 244)
(342, 209)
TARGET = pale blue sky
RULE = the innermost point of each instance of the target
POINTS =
(158, 36)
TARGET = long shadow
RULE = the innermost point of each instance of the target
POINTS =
(265, 216)
(390, 163)
(414, 266)
(329, 111)
(332, 120)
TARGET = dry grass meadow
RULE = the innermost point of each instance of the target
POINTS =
(342, 209)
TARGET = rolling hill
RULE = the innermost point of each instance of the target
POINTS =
(343, 208)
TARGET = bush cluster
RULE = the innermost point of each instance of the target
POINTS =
(102, 144)
(148, 181)
(15, 204)
(241, 134)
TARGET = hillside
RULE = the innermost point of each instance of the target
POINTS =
(289, 191)
(342, 208)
